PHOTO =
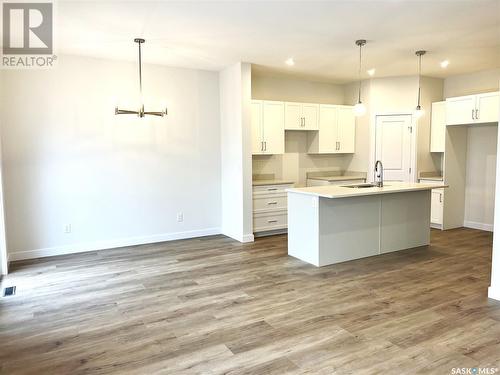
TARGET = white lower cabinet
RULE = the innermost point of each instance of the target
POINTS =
(437, 204)
(437, 207)
(270, 207)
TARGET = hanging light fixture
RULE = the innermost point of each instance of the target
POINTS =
(418, 110)
(140, 112)
(359, 108)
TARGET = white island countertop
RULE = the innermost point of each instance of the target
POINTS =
(342, 191)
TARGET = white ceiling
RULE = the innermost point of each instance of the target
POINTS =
(319, 35)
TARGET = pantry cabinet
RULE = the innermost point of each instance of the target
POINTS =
(438, 126)
(267, 123)
(301, 116)
(472, 109)
(336, 133)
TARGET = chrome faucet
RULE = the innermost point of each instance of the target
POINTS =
(379, 174)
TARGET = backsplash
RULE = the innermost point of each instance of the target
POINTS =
(296, 162)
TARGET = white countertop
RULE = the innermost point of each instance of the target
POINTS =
(338, 178)
(271, 182)
(336, 191)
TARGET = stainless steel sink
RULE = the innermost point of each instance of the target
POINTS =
(360, 186)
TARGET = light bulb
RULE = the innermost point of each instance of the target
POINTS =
(419, 112)
(359, 109)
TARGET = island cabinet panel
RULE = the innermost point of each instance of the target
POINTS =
(350, 223)
(355, 224)
(405, 221)
(303, 228)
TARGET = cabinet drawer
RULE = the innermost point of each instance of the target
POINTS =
(269, 202)
(271, 189)
(269, 221)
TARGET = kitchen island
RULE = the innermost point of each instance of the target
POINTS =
(333, 224)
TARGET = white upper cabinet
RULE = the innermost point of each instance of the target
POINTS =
(301, 116)
(273, 126)
(336, 131)
(487, 107)
(310, 113)
(346, 129)
(257, 136)
(293, 116)
(438, 126)
(472, 109)
(460, 110)
(268, 133)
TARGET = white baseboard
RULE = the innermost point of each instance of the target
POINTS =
(109, 244)
(476, 225)
(494, 293)
(248, 238)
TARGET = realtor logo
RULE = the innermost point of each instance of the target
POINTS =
(27, 30)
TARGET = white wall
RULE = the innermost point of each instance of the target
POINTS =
(236, 179)
(392, 95)
(296, 162)
(494, 289)
(117, 180)
(360, 160)
(473, 83)
(480, 177)
(283, 88)
(481, 151)
(3, 243)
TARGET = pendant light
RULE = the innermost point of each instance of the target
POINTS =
(359, 108)
(140, 111)
(418, 110)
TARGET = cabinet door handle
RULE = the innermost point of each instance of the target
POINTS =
(272, 202)
(272, 221)
(473, 115)
(265, 145)
(477, 114)
(272, 189)
(261, 146)
(440, 198)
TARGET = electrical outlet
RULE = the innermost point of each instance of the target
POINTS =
(67, 228)
(180, 217)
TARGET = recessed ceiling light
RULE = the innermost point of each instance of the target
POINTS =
(444, 63)
(371, 72)
(290, 61)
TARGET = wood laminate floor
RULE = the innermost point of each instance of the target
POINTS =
(215, 306)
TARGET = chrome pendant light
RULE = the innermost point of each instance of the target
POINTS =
(140, 112)
(359, 108)
(418, 110)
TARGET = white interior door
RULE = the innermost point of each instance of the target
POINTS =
(393, 146)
